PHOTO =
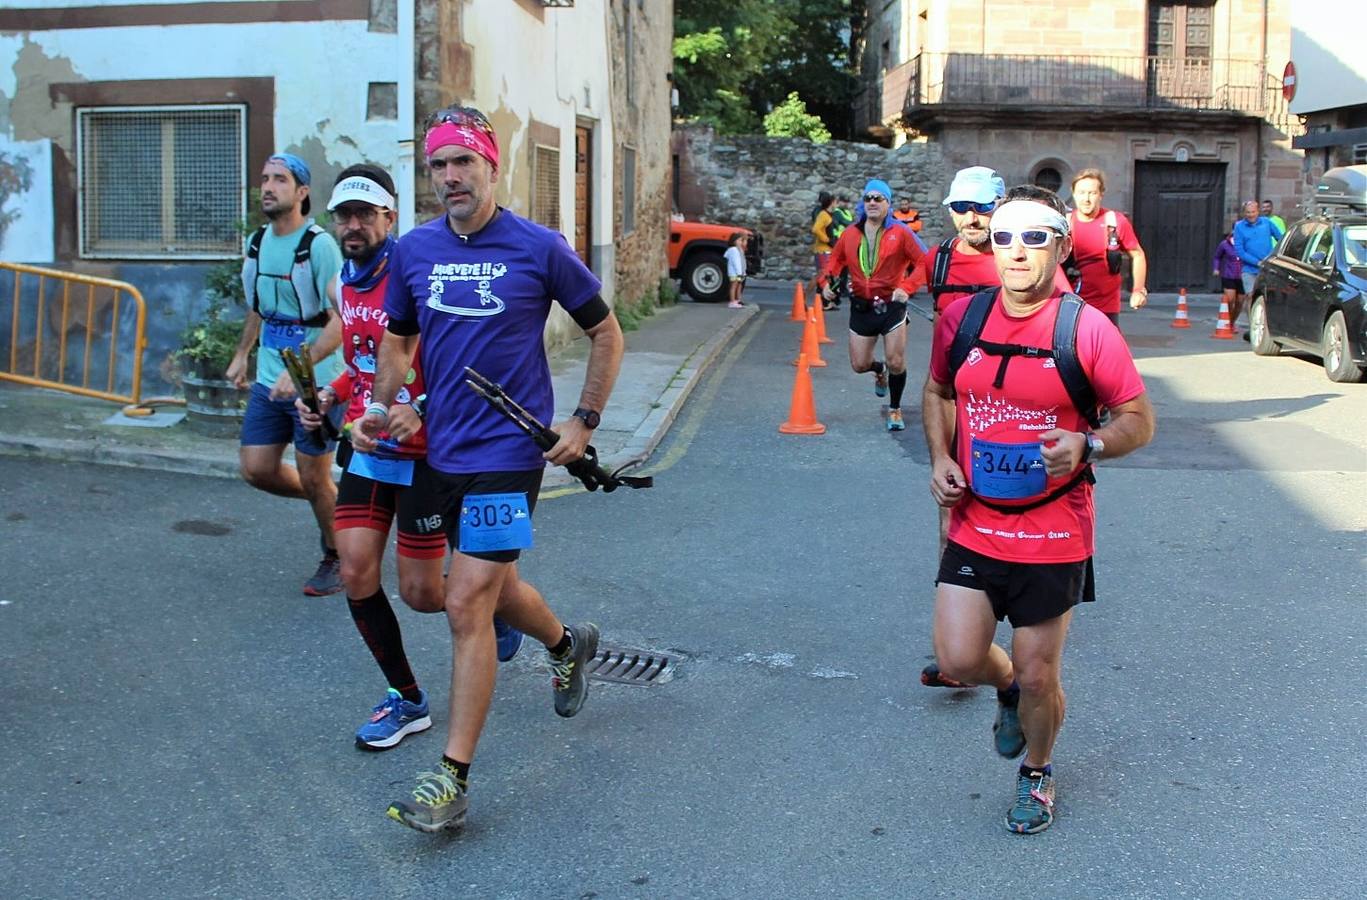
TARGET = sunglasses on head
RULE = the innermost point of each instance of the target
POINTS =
(459, 115)
(1031, 237)
(963, 206)
(875, 198)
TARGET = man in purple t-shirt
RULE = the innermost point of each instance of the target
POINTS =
(477, 285)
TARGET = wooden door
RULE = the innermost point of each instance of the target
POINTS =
(583, 192)
(1177, 215)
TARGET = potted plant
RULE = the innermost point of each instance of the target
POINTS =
(213, 403)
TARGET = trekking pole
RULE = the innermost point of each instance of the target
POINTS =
(300, 368)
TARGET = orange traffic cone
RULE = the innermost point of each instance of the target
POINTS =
(1180, 319)
(802, 410)
(819, 310)
(1224, 330)
(810, 348)
(799, 313)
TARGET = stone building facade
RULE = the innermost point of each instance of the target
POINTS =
(1178, 102)
(771, 185)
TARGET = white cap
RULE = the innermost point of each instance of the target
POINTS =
(358, 187)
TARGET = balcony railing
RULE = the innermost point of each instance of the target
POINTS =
(1104, 83)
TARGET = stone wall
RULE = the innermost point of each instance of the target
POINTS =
(771, 185)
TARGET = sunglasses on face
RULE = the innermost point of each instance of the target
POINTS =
(460, 115)
(1031, 237)
(962, 206)
(366, 215)
(875, 198)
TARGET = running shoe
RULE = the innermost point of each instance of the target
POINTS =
(895, 422)
(1033, 810)
(568, 680)
(327, 580)
(932, 677)
(880, 383)
(509, 639)
(736, 305)
(392, 720)
(439, 802)
(1006, 732)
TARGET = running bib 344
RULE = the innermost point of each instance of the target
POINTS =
(279, 335)
(379, 468)
(491, 522)
(1007, 471)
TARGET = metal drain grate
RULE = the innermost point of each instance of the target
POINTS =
(624, 665)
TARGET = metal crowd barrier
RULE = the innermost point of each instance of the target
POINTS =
(51, 370)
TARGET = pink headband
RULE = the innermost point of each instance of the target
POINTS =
(448, 134)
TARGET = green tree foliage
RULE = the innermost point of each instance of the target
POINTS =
(791, 119)
(736, 60)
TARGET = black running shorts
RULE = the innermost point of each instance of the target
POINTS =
(450, 491)
(1025, 593)
(866, 321)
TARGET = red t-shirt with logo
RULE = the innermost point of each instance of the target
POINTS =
(363, 327)
(1099, 287)
(997, 426)
(969, 268)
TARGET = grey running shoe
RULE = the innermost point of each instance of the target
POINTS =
(1033, 810)
(568, 681)
(1006, 732)
(439, 802)
(327, 580)
(880, 383)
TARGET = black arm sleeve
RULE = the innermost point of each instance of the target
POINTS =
(402, 327)
(585, 316)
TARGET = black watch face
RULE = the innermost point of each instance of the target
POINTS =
(590, 417)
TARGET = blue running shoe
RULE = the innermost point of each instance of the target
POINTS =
(880, 383)
(392, 720)
(509, 639)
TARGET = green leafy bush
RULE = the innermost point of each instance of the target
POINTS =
(791, 119)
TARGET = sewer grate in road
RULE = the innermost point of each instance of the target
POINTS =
(624, 665)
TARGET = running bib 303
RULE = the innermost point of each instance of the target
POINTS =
(495, 522)
(279, 335)
(1007, 471)
(379, 468)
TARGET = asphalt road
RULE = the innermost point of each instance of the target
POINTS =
(180, 717)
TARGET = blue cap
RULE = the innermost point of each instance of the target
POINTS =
(976, 184)
(297, 166)
(878, 186)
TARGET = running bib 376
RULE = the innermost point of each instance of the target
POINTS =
(491, 522)
(1007, 471)
(279, 335)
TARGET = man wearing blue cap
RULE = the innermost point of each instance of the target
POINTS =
(881, 254)
(288, 272)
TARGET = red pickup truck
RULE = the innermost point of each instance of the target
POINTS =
(697, 257)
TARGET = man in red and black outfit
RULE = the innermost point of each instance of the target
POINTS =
(880, 254)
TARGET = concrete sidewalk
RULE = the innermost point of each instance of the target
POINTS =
(665, 359)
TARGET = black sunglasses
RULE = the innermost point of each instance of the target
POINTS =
(960, 207)
(875, 198)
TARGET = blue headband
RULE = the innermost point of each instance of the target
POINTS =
(879, 187)
(298, 168)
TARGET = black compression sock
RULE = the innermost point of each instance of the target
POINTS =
(897, 382)
(459, 770)
(1011, 696)
(877, 368)
(563, 647)
(379, 628)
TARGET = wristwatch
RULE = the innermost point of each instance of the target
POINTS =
(589, 417)
(1095, 447)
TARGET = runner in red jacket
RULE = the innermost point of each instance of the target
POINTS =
(881, 254)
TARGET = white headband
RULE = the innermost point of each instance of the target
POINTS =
(1018, 215)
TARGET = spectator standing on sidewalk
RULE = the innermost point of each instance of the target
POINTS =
(823, 233)
(1266, 210)
(288, 270)
(735, 267)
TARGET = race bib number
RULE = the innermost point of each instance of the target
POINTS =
(1007, 471)
(491, 522)
(282, 335)
(379, 468)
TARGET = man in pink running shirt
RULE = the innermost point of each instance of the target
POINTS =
(1010, 457)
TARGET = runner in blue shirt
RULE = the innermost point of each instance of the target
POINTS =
(477, 285)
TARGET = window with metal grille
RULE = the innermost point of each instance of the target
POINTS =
(546, 186)
(161, 182)
(628, 190)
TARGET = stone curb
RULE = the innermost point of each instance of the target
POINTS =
(92, 451)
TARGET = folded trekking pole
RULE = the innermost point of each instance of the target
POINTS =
(300, 367)
(586, 468)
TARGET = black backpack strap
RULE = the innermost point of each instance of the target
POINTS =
(1075, 380)
(970, 328)
(942, 261)
(254, 253)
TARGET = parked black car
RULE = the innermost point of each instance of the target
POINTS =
(1311, 293)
